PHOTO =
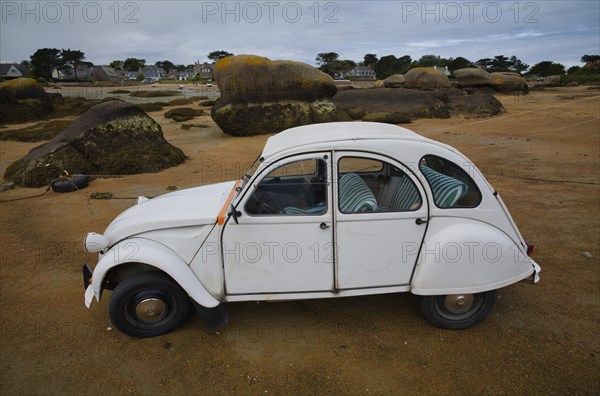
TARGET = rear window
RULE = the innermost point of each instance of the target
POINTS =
(451, 186)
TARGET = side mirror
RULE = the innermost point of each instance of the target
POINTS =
(235, 214)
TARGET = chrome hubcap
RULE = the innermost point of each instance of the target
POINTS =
(458, 303)
(151, 309)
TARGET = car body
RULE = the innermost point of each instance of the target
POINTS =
(331, 210)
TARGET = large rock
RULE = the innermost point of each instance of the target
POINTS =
(551, 81)
(473, 77)
(394, 81)
(395, 103)
(111, 138)
(426, 78)
(509, 82)
(263, 96)
(23, 100)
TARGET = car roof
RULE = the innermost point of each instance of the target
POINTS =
(336, 132)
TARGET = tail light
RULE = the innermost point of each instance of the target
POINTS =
(529, 248)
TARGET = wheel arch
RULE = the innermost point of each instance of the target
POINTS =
(134, 255)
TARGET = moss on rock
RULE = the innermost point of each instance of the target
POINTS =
(23, 99)
(112, 138)
(256, 119)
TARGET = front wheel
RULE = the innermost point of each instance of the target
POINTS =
(148, 304)
(457, 311)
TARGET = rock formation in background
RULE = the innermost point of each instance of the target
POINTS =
(400, 105)
(263, 96)
(509, 82)
(23, 100)
(394, 81)
(426, 78)
(473, 77)
(111, 138)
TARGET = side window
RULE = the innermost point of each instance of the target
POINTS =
(296, 188)
(368, 185)
(452, 187)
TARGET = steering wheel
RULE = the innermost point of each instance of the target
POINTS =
(267, 204)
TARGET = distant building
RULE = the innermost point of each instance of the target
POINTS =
(152, 73)
(105, 73)
(185, 75)
(13, 70)
(83, 73)
(205, 70)
(361, 73)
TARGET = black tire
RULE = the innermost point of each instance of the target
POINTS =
(457, 311)
(148, 304)
(73, 183)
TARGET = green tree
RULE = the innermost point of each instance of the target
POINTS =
(44, 61)
(484, 63)
(218, 55)
(573, 69)
(389, 65)
(370, 60)
(459, 63)
(71, 60)
(515, 64)
(499, 64)
(546, 68)
(180, 68)
(165, 65)
(116, 64)
(133, 64)
(590, 58)
(325, 58)
(429, 60)
(140, 77)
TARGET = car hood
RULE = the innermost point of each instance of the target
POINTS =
(191, 207)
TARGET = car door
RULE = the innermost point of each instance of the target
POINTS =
(381, 214)
(283, 241)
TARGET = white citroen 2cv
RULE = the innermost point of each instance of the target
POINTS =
(327, 210)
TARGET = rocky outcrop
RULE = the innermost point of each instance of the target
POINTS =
(551, 81)
(23, 100)
(111, 138)
(394, 81)
(426, 78)
(399, 105)
(509, 82)
(263, 96)
(473, 77)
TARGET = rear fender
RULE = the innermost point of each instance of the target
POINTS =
(468, 256)
(148, 254)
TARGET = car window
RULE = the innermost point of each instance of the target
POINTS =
(451, 186)
(369, 185)
(296, 188)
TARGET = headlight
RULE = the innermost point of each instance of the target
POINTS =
(94, 243)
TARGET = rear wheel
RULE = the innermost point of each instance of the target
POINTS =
(148, 304)
(457, 311)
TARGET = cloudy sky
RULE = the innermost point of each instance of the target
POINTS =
(186, 31)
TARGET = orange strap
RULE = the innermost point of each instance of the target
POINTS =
(221, 217)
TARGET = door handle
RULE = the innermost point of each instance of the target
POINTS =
(420, 221)
(323, 226)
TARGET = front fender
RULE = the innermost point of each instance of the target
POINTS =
(468, 256)
(145, 251)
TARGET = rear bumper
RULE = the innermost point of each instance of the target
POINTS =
(87, 285)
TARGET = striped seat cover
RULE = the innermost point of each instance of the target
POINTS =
(313, 210)
(446, 190)
(354, 194)
(406, 196)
